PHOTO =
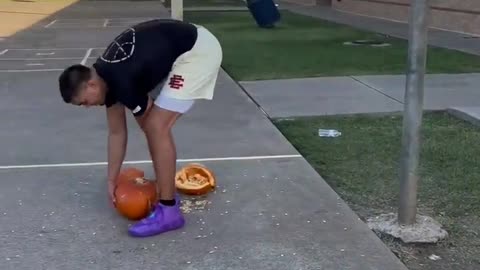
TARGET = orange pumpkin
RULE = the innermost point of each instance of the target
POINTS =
(195, 179)
(132, 203)
(130, 173)
(134, 195)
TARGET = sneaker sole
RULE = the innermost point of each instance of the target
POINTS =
(134, 234)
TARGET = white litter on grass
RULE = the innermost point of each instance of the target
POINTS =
(434, 257)
(332, 133)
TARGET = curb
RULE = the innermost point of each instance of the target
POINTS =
(469, 114)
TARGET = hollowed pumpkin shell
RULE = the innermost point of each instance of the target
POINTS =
(195, 179)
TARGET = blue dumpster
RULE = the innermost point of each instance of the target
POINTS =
(264, 12)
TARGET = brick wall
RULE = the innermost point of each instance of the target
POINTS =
(455, 15)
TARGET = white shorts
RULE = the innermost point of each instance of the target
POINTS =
(194, 73)
(174, 104)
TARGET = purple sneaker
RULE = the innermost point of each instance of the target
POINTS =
(162, 219)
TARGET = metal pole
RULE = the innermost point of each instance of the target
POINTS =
(413, 109)
(177, 9)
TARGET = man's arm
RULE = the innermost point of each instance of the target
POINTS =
(117, 139)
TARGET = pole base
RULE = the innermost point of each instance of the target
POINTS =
(425, 230)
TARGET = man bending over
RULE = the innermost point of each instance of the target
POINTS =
(179, 59)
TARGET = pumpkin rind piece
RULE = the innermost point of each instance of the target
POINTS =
(188, 179)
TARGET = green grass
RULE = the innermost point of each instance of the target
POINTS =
(302, 46)
(206, 3)
(362, 166)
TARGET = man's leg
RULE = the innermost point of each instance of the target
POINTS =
(163, 152)
(158, 128)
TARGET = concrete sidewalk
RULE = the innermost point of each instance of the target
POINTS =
(359, 94)
(271, 209)
(439, 38)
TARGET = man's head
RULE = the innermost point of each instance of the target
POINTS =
(81, 85)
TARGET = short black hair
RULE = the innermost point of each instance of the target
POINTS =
(71, 79)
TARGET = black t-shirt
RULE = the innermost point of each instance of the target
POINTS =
(140, 58)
